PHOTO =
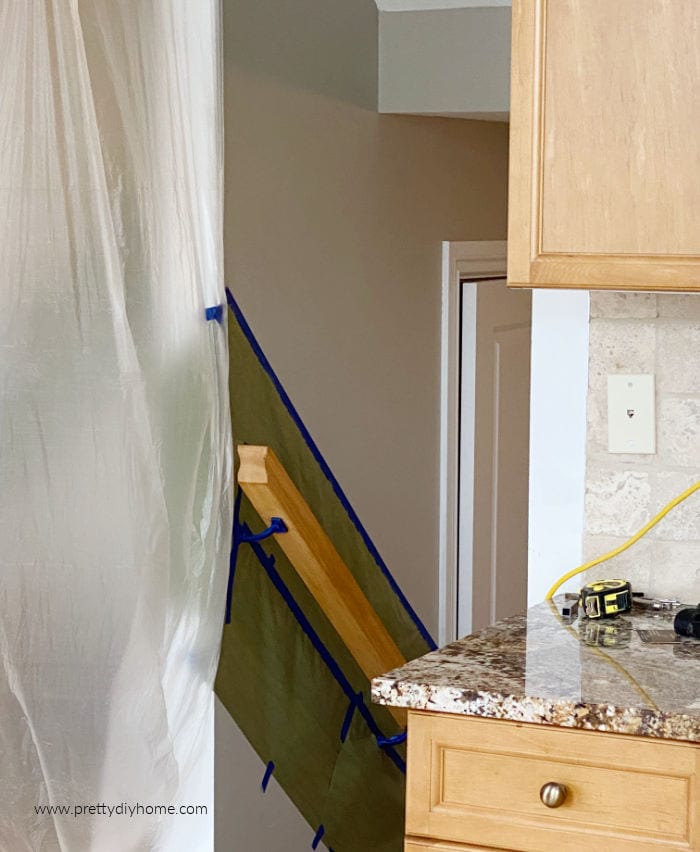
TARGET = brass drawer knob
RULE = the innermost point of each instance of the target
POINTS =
(553, 795)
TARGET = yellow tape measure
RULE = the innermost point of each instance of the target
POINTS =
(605, 598)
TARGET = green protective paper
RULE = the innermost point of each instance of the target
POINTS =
(272, 679)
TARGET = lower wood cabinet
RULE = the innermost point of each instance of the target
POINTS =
(440, 846)
(476, 784)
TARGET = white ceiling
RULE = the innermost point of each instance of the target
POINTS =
(416, 5)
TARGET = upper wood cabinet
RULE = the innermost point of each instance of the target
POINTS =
(605, 144)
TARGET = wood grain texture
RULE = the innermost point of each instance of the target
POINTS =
(477, 781)
(620, 158)
(524, 134)
(273, 494)
(414, 844)
(605, 157)
(627, 273)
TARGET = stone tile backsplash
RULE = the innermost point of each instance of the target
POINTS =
(660, 334)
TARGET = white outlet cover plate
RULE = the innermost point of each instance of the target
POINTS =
(631, 414)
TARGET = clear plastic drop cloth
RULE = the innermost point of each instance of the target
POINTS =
(115, 446)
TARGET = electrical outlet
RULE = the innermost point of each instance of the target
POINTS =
(631, 414)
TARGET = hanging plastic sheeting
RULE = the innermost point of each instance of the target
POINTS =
(115, 461)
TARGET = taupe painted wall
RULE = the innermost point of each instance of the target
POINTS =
(334, 222)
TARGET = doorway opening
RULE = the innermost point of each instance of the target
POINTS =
(485, 393)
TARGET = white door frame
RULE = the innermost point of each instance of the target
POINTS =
(459, 260)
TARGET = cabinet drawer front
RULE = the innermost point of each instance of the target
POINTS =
(479, 781)
(440, 846)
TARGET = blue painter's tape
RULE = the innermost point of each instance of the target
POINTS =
(317, 839)
(383, 742)
(347, 721)
(235, 544)
(340, 494)
(216, 312)
(268, 774)
(268, 563)
(277, 526)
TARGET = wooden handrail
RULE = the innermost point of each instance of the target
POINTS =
(273, 494)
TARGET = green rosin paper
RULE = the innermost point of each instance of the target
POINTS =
(285, 675)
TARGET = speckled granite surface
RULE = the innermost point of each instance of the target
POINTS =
(536, 668)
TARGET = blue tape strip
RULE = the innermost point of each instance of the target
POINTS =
(340, 494)
(235, 544)
(216, 312)
(268, 774)
(268, 563)
(277, 526)
(383, 742)
(317, 839)
(347, 721)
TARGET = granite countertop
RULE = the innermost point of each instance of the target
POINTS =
(536, 667)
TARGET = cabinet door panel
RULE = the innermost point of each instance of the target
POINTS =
(621, 112)
(605, 153)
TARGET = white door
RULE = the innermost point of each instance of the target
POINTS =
(494, 453)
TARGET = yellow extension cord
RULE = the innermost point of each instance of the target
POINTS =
(635, 538)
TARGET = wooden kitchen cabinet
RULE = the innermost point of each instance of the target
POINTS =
(475, 784)
(605, 144)
(437, 846)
